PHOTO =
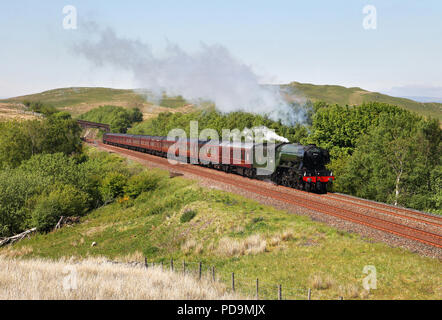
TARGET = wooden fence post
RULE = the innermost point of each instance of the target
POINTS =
(213, 274)
(309, 294)
(184, 267)
(200, 269)
(171, 264)
(257, 289)
(233, 281)
(279, 292)
(145, 262)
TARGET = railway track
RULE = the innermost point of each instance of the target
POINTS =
(411, 214)
(376, 216)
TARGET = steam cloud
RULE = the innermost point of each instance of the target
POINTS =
(211, 74)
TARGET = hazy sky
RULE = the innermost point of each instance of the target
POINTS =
(321, 42)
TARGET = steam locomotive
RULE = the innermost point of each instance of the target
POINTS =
(287, 164)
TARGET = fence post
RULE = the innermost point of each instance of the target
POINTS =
(184, 267)
(257, 289)
(171, 264)
(145, 262)
(309, 294)
(200, 270)
(213, 274)
(279, 292)
(233, 281)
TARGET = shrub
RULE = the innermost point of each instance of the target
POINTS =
(63, 201)
(17, 188)
(187, 216)
(137, 184)
(112, 186)
(257, 219)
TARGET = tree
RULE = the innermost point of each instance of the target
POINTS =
(21, 140)
(395, 160)
(135, 115)
(337, 128)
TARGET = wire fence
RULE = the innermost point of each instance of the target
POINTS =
(235, 281)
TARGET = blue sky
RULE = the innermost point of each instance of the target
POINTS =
(321, 42)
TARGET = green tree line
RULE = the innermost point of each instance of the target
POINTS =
(213, 119)
(382, 152)
(118, 118)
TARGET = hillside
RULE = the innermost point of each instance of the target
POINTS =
(354, 96)
(82, 99)
(179, 219)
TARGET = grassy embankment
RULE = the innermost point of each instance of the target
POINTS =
(181, 220)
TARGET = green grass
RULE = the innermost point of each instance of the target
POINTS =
(333, 94)
(151, 226)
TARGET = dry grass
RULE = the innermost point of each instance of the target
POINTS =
(136, 256)
(252, 245)
(277, 239)
(11, 252)
(321, 283)
(98, 279)
(188, 246)
(13, 112)
(352, 291)
(192, 245)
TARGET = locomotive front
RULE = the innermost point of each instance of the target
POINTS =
(304, 167)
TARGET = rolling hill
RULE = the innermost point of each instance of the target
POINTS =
(82, 99)
(353, 96)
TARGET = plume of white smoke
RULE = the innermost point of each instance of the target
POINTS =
(211, 74)
(267, 134)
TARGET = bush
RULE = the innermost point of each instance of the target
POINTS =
(112, 186)
(137, 184)
(17, 188)
(187, 216)
(64, 201)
